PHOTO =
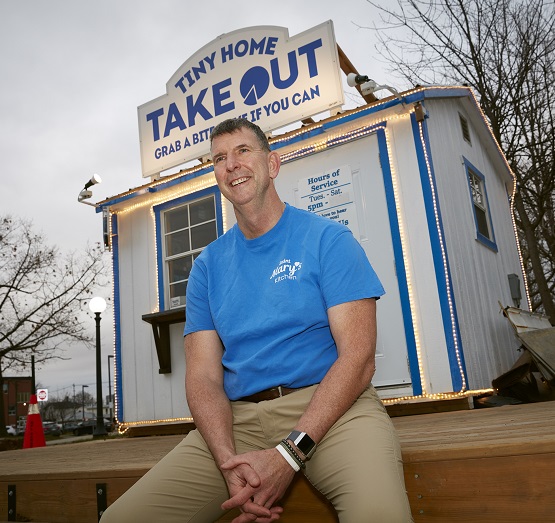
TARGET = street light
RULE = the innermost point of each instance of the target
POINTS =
(369, 86)
(83, 400)
(98, 305)
(86, 193)
(110, 402)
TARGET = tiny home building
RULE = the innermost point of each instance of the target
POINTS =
(424, 187)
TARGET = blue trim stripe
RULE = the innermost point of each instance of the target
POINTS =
(399, 264)
(139, 191)
(444, 291)
(117, 318)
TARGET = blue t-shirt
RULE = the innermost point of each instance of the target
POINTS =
(267, 299)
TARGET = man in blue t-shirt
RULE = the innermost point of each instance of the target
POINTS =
(280, 342)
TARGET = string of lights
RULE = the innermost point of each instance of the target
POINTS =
(294, 150)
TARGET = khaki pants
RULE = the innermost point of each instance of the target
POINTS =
(357, 466)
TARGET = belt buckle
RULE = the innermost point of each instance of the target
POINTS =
(280, 391)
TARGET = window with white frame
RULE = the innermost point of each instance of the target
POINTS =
(188, 228)
(482, 217)
(479, 201)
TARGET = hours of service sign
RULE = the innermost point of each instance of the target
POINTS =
(330, 194)
(258, 73)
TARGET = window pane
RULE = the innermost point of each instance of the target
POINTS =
(23, 397)
(202, 235)
(482, 222)
(178, 289)
(477, 191)
(179, 269)
(177, 219)
(202, 211)
(187, 230)
(177, 242)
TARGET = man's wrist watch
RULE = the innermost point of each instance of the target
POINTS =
(303, 442)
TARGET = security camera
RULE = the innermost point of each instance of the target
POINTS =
(84, 195)
(354, 79)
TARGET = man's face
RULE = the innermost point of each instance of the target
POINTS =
(242, 168)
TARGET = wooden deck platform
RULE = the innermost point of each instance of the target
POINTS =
(491, 465)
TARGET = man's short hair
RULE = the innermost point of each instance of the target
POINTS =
(235, 124)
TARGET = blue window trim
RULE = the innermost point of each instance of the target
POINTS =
(118, 389)
(445, 289)
(158, 209)
(491, 243)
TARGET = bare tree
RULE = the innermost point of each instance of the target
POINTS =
(64, 408)
(42, 295)
(504, 50)
(58, 409)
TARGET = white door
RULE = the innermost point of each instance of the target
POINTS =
(364, 199)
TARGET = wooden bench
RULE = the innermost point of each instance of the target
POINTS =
(480, 466)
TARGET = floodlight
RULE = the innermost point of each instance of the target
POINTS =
(369, 86)
(86, 193)
(95, 178)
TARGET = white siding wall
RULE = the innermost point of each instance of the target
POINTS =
(479, 274)
(147, 395)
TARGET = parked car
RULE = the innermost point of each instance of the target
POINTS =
(51, 429)
(88, 426)
(20, 427)
(11, 430)
(70, 426)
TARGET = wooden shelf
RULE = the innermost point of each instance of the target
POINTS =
(161, 322)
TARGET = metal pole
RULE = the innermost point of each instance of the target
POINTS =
(83, 400)
(100, 429)
(33, 381)
(110, 401)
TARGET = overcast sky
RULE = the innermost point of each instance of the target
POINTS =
(72, 76)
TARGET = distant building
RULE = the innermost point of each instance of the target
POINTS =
(17, 392)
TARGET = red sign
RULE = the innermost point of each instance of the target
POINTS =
(42, 394)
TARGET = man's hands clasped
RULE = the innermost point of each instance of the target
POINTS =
(256, 481)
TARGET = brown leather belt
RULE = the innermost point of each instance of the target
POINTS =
(269, 394)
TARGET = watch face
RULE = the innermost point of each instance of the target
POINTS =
(303, 442)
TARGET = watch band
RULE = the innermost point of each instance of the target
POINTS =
(294, 465)
(303, 442)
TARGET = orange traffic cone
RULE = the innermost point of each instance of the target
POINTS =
(34, 433)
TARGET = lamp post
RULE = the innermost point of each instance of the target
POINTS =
(83, 400)
(98, 305)
(110, 356)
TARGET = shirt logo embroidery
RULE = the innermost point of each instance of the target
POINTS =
(286, 271)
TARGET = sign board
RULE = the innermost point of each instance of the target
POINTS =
(330, 194)
(258, 73)
(42, 394)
